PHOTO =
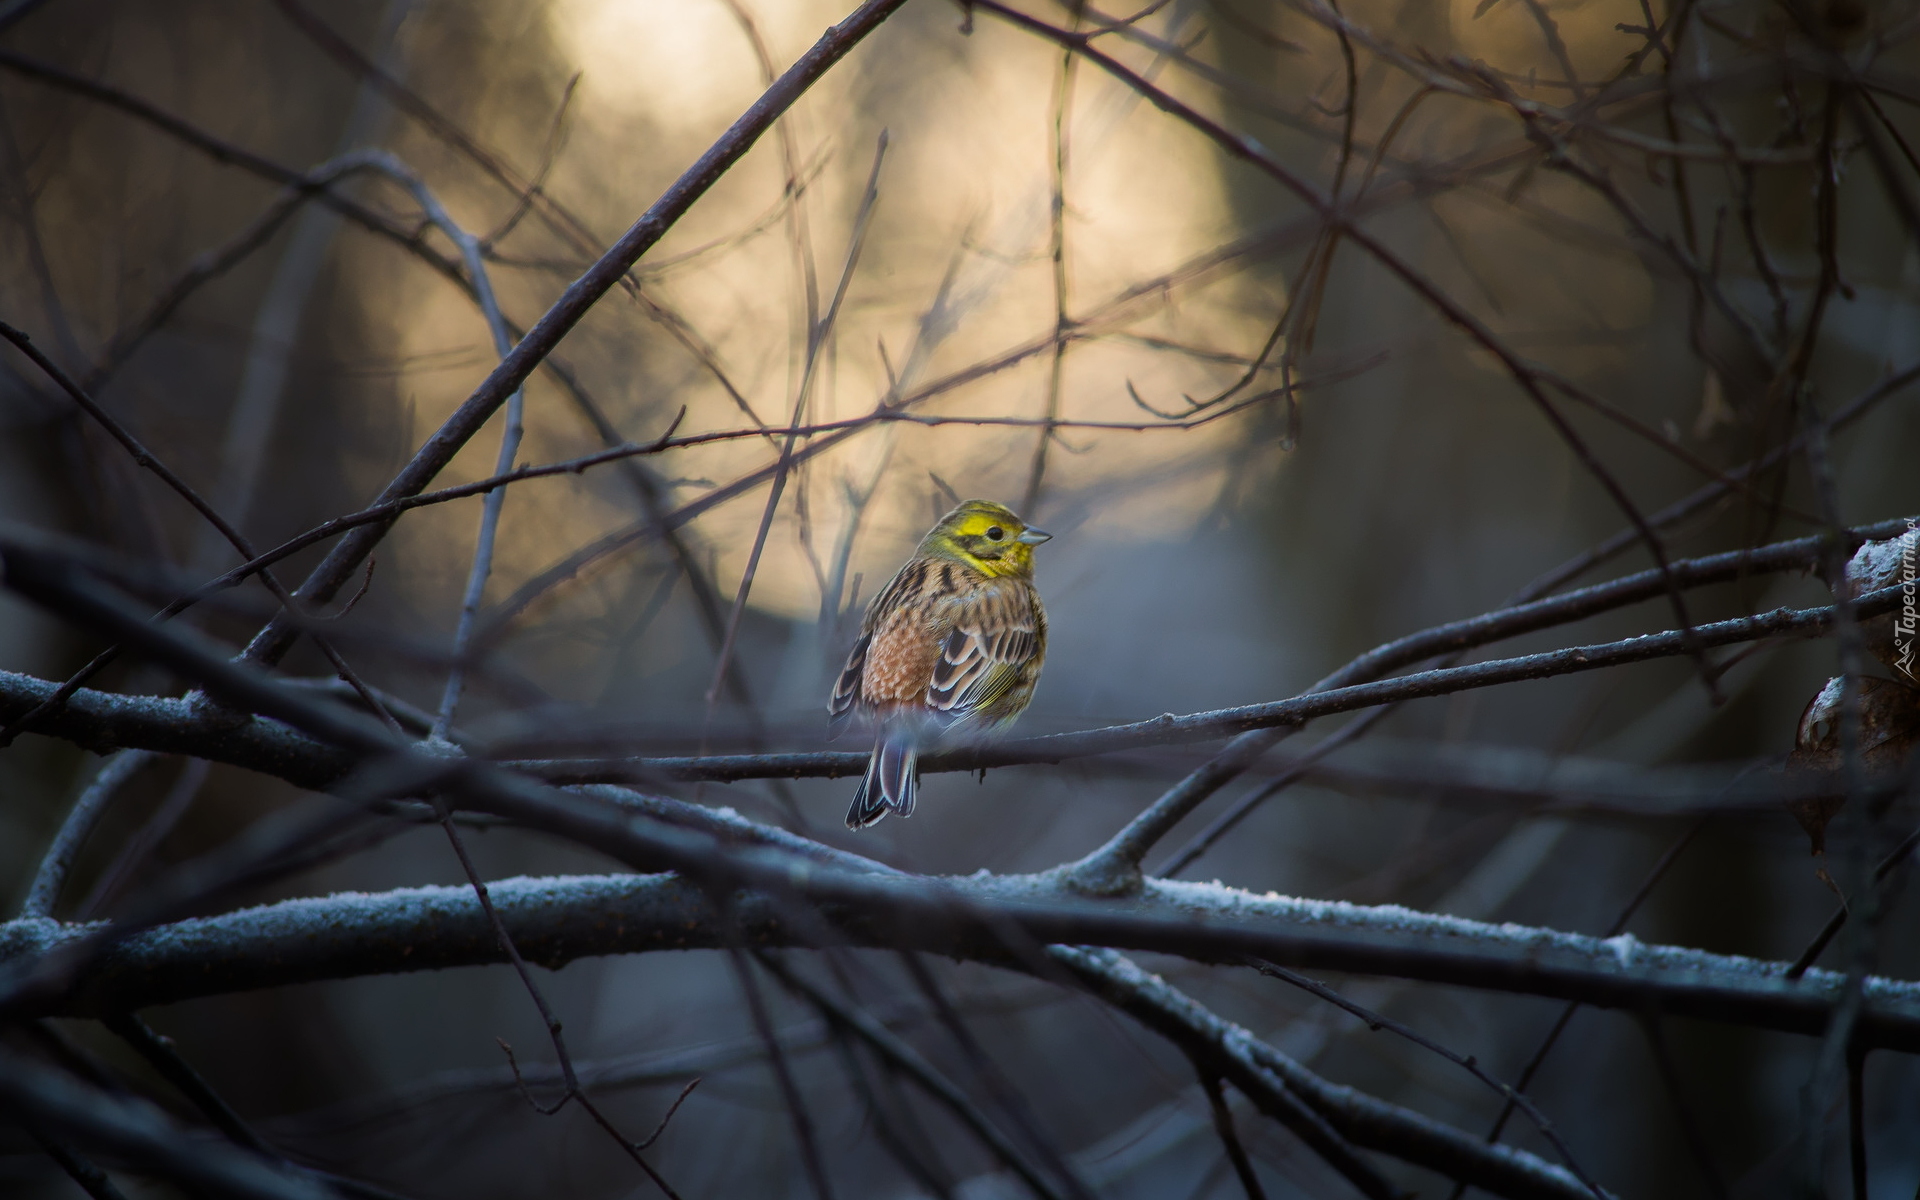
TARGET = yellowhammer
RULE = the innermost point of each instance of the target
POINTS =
(952, 646)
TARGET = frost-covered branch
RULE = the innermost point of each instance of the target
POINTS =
(555, 921)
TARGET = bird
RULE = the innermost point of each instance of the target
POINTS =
(951, 648)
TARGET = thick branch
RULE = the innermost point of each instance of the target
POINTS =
(555, 921)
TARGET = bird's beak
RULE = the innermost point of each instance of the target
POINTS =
(1033, 537)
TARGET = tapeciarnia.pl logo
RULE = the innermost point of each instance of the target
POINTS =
(1908, 619)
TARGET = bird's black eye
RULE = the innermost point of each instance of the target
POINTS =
(995, 533)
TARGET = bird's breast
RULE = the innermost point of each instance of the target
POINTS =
(900, 661)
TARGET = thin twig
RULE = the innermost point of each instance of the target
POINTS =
(1229, 1137)
(1887, 866)
(173, 806)
(472, 254)
(1057, 255)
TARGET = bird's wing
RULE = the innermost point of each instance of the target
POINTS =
(996, 635)
(846, 689)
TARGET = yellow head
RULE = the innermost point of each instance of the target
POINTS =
(987, 537)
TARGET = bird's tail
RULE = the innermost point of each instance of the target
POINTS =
(892, 781)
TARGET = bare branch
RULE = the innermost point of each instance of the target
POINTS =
(555, 921)
(55, 865)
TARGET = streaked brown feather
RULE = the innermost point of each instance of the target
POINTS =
(899, 660)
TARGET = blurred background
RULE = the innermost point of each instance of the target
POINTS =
(1042, 244)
